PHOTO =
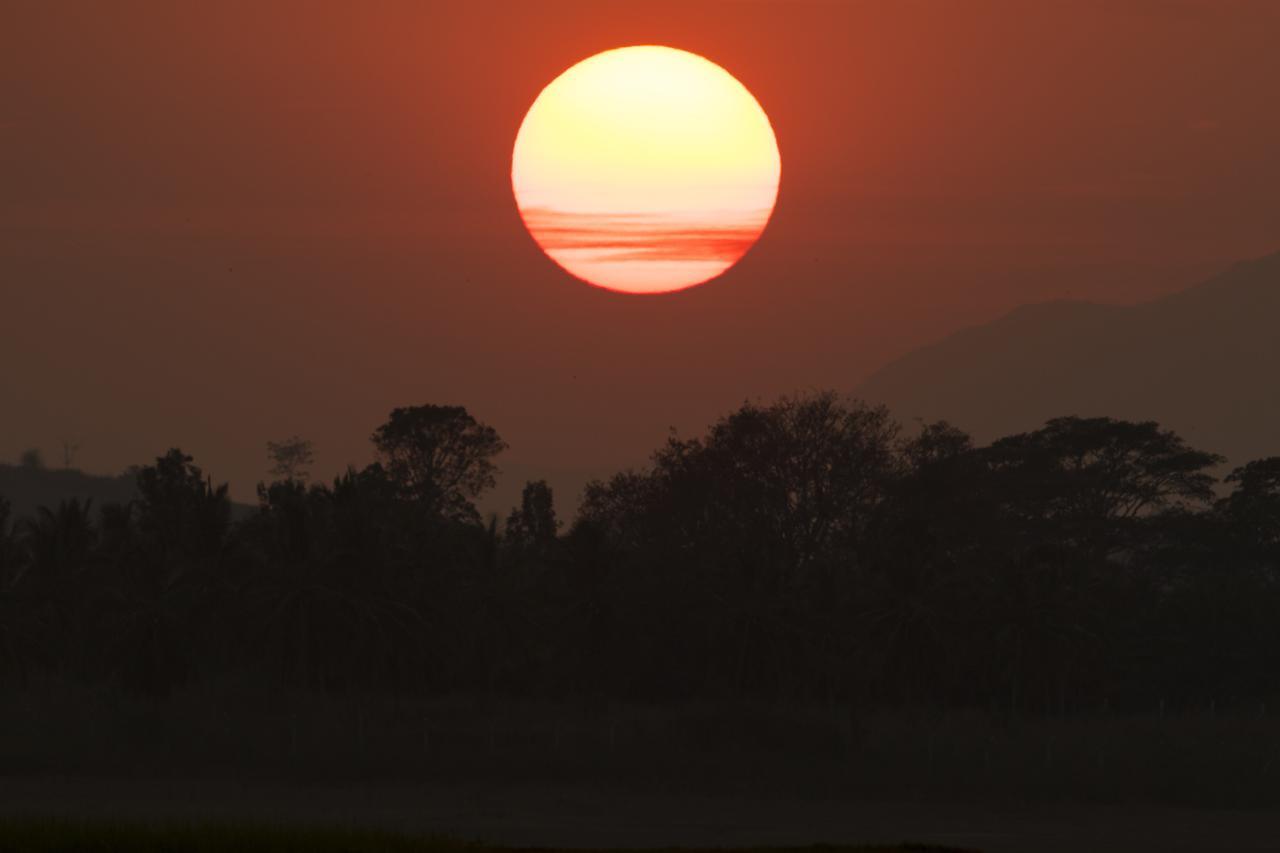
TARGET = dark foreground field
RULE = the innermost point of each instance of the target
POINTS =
(592, 818)
(44, 835)
(596, 777)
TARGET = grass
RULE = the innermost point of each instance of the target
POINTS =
(48, 835)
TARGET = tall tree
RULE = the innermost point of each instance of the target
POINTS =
(791, 483)
(179, 508)
(1090, 482)
(533, 525)
(291, 459)
(1254, 505)
(439, 457)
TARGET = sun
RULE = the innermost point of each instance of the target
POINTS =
(645, 169)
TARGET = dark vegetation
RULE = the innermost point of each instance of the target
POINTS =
(1075, 608)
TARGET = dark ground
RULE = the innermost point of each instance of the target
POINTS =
(549, 815)
(649, 777)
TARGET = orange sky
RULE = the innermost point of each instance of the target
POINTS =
(233, 222)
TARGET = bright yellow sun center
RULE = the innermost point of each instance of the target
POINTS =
(645, 169)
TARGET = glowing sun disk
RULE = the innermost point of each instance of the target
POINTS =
(645, 169)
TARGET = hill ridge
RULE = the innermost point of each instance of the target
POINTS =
(1178, 359)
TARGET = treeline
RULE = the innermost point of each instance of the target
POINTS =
(804, 551)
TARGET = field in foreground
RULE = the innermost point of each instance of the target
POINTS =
(1188, 758)
(45, 835)
(594, 817)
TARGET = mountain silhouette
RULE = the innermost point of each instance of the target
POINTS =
(27, 488)
(1204, 362)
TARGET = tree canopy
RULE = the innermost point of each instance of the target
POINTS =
(440, 457)
(806, 549)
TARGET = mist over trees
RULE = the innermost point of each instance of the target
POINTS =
(809, 550)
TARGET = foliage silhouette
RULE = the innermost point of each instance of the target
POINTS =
(440, 457)
(533, 526)
(805, 550)
(291, 458)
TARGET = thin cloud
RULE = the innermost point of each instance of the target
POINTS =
(629, 237)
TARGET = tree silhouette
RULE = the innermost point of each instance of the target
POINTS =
(802, 550)
(291, 458)
(323, 609)
(439, 457)
(58, 542)
(169, 587)
(1093, 480)
(533, 525)
(9, 552)
(19, 619)
(1253, 508)
(179, 509)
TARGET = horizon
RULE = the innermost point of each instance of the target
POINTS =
(512, 478)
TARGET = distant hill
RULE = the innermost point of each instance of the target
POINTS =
(1205, 362)
(28, 488)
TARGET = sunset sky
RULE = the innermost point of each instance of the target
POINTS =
(227, 223)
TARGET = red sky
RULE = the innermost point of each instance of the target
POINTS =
(228, 222)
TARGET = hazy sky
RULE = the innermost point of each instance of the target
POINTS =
(222, 223)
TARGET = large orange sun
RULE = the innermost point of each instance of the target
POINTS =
(645, 169)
